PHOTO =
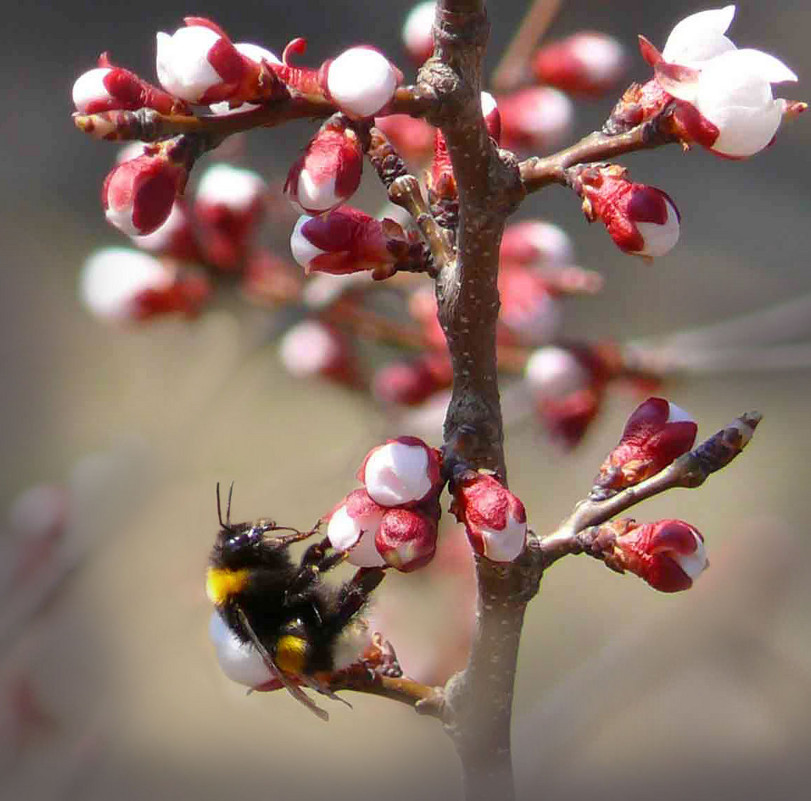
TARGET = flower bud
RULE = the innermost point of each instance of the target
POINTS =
(406, 539)
(567, 419)
(553, 372)
(491, 115)
(535, 242)
(228, 205)
(668, 554)
(536, 118)
(403, 471)
(345, 241)
(656, 433)
(587, 63)
(120, 284)
(411, 383)
(641, 219)
(311, 348)
(329, 170)
(417, 32)
(138, 195)
(257, 55)
(361, 81)
(239, 661)
(352, 527)
(528, 311)
(495, 520)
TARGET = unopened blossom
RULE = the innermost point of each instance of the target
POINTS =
(729, 89)
(657, 432)
(528, 310)
(345, 240)
(535, 118)
(535, 242)
(554, 372)
(138, 195)
(668, 554)
(406, 538)
(120, 284)
(494, 518)
(410, 383)
(352, 527)
(642, 220)
(329, 171)
(257, 54)
(361, 81)
(401, 472)
(174, 238)
(228, 205)
(587, 63)
(417, 32)
(311, 348)
(108, 87)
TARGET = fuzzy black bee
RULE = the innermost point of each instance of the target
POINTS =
(301, 627)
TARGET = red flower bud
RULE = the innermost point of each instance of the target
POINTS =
(656, 433)
(406, 539)
(410, 383)
(495, 519)
(329, 170)
(528, 311)
(668, 554)
(536, 118)
(535, 242)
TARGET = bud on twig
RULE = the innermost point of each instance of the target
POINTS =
(352, 527)
(401, 472)
(406, 538)
(362, 81)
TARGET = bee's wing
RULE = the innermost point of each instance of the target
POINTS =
(278, 673)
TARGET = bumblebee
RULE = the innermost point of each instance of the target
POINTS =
(279, 620)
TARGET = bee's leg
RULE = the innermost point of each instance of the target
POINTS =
(288, 539)
(355, 593)
(315, 561)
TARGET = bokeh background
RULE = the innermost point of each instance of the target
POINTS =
(108, 686)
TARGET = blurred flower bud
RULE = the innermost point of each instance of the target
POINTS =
(423, 308)
(228, 205)
(329, 170)
(417, 32)
(311, 348)
(345, 240)
(411, 383)
(412, 138)
(174, 238)
(406, 539)
(495, 520)
(641, 219)
(528, 311)
(656, 433)
(535, 242)
(119, 284)
(668, 554)
(352, 527)
(535, 118)
(553, 372)
(362, 81)
(138, 195)
(587, 63)
(403, 471)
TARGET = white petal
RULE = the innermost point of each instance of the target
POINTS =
(659, 239)
(90, 86)
(397, 473)
(699, 36)
(554, 373)
(678, 415)
(229, 186)
(302, 249)
(122, 219)
(256, 53)
(361, 81)
(745, 131)
(182, 62)
(343, 531)
(308, 348)
(315, 196)
(505, 545)
(756, 62)
(695, 563)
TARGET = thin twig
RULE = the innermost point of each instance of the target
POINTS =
(513, 67)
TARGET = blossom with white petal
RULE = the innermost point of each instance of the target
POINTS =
(361, 81)
(699, 37)
(401, 472)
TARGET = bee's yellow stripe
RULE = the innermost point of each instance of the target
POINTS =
(291, 654)
(221, 583)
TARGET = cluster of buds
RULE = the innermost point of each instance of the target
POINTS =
(641, 219)
(393, 519)
(667, 554)
(657, 432)
(718, 96)
(348, 240)
(494, 518)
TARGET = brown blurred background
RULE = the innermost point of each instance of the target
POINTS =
(111, 690)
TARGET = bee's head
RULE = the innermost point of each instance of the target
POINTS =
(241, 545)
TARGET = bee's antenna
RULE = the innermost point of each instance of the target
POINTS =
(228, 508)
(227, 524)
